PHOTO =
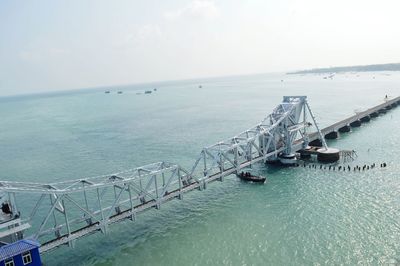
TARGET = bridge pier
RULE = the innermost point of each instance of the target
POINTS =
(374, 114)
(345, 129)
(332, 135)
(382, 111)
(356, 123)
(329, 155)
(366, 118)
(316, 143)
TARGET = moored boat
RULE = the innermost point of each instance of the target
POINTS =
(246, 176)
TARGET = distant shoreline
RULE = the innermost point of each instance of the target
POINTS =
(362, 68)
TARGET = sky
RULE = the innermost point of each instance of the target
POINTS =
(48, 45)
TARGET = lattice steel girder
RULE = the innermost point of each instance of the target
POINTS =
(76, 206)
(79, 185)
(277, 129)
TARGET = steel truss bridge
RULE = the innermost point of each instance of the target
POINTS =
(59, 213)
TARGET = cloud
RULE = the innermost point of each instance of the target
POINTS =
(198, 9)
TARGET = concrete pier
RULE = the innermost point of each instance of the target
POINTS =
(356, 123)
(332, 135)
(328, 156)
(316, 142)
(382, 111)
(366, 118)
(344, 129)
(374, 114)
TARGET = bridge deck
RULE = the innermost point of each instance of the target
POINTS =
(129, 213)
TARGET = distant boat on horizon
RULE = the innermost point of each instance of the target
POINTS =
(147, 92)
(119, 92)
(107, 92)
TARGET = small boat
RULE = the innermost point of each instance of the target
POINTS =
(119, 92)
(155, 89)
(200, 86)
(107, 92)
(147, 92)
(246, 176)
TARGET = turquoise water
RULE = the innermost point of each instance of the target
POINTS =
(299, 217)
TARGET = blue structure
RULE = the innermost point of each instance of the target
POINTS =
(20, 253)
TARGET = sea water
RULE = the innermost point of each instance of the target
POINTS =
(300, 216)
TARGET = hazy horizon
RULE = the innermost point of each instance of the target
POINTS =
(144, 84)
(55, 46)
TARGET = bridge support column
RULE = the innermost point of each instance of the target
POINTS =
(332, 135)
(345, 129)
(374, 114)
(356, 123)
(316, 143)
(329, 155)
(366, 118)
